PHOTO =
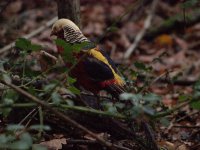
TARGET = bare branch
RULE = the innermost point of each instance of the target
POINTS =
(5, 6)
(64, 117)
(30, 35)
(140, 35)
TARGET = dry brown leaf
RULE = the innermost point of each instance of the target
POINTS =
(166, 144)
(13, 8)
(183, 44)
(164, 40)
(182, 147)
(54, 144)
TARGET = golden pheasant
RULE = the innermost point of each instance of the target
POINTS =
(96, 71)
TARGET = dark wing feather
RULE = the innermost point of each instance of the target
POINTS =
(110, 61)
(97, 70)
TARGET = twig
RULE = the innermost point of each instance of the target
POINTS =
(59, 114)
(81, 142)
(177, 126)
(85, 110)
(140, 35)
(75, 108)
(132, 7)
(92, 95)
(187, 115)
(160, 79)
(41, 119)
(170, 111)
(30, 35)
(153, 81)
(49, 55)
(62, 116)
(5, 6)
(27, 116)
(94, 111)
(150, 136)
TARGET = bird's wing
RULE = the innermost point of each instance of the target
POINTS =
(101, 68)
(97, 70)
(110, 61)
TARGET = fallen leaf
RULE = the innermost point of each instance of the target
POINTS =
(166, 144)
(54, 144)
(164, 40)
(182, 147)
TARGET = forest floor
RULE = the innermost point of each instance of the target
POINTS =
(171, 47)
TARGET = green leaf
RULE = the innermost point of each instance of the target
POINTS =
(189, 3)
(74, 90)
(135, 98)
(69, 102)
(165, 122)
(31, 90)
(49, 87)
(109, 107)
(11, 94)
(149, 110)
(22, 43)
(71, 80)
(5, 111)
(195, 105)
(63, 44)
(112, 110)
(196, 95)
(9, 137)
(56, 98)
(152, 98)
(113, 29)
(13, 127)
(39, 127)
(8, 101)
(38, 147)
(134, 74)
(140, 66)
(80, 46)
(135, 111)
(31, 73)
(26, 45)
(183, 98)
(19, 145)
(68, 56)
(7, 78)
(35, 47)
(26, 137)
(197, 86)
(3, 139)
(125, 96)
(68, 50)
(119, 105)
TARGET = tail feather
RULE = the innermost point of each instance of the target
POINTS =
(115, 90)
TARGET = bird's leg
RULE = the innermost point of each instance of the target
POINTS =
(113, 99)
(83, 102)
(98, 97)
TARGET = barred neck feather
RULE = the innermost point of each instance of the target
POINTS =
(72, 35)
